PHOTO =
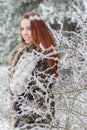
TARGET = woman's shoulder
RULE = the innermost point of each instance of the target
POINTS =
(12, 54)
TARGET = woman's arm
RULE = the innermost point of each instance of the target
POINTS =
(22, 74)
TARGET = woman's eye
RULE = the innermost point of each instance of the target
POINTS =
(29, 28)
(22, 28)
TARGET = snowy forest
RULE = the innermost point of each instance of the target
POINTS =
(67, 21)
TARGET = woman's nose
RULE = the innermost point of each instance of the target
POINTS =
(25, 31)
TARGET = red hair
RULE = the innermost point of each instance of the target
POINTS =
(40, 34)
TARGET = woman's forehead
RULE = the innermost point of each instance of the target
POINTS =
(25, 22)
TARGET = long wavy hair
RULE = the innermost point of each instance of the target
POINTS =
(40, 34)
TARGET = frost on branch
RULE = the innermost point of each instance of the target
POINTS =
(72, 85)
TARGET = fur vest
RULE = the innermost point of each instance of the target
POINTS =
(32, 85)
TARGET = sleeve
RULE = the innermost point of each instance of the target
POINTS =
(22, 74)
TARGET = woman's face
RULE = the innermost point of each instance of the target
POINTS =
(26, 30)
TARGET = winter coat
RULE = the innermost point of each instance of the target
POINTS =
(32, 84)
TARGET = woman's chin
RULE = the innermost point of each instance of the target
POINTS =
(28, 42)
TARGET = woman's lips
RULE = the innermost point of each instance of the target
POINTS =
(27, 38)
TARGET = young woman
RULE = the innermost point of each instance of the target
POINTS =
(34, 64)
